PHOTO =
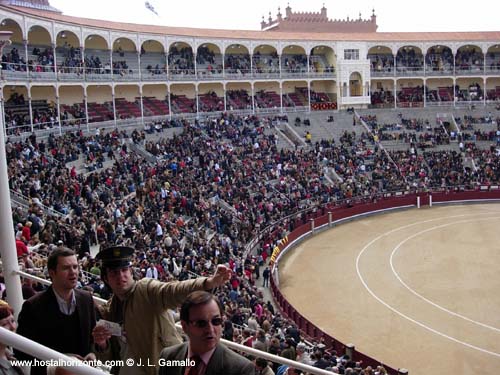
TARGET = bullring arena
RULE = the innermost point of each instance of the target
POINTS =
(416, 287)
(200, 146)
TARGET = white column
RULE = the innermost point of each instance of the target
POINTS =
(169, 103)
(224, 73)
(195, 67)
(82, 56)
(26, 58)
(309, 95)
(484, 91)
(453, 89)
(167, 72)
(30, 108)
(339, 96)
(225, 97)
(113, 99)
(54, 47)
(111, 65)
(281, 97)
(454, 73)
(197, 101)
(425, 64)
(253, 100)
(394, 94)
(86, 108)
(279, 65)
(7, 239)
(425, 94)
(142, 107)
(251, 65)
(140, 70)
(58, 104)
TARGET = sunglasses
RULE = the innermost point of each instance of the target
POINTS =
(201, 323)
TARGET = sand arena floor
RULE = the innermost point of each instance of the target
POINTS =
(418, 289)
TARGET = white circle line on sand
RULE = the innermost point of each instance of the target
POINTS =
(398, 247)
(420, 324)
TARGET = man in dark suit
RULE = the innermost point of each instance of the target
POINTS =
(61, 317)
(201, 320)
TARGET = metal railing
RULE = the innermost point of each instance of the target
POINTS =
(48, 210)
(45, 354)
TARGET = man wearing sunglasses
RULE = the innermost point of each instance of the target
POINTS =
(203, 354)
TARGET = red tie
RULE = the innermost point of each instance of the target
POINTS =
(194, 369)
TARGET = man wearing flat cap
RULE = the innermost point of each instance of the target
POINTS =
(140, 307)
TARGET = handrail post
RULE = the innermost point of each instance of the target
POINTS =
(312, 226)
(7, 239)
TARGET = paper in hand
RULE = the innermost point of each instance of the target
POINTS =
(114, 328)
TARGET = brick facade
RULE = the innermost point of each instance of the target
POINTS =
(317, 22)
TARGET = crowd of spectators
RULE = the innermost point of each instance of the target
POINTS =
(415, 131)
(381, 62)
(72, 59)
(266, 63)
(294, 63)
(237, 64)
(469, 60)
(12, 61)
(409, 60)
(17, 115)
(205, 56)
(159, 218)
(210, 191)
(493, 61)
(473, 92)
(238, 99)
(411, 94)
(208, 62)
(156, 70)
(94, 65)
(43, 60)
(181, 61)
(440, 59)
(382, 97)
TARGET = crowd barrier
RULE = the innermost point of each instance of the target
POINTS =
(320, 219)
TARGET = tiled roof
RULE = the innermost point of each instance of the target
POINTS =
(268, 35)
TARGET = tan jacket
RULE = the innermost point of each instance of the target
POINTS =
(149, 327)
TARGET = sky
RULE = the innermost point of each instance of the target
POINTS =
(392, 15)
